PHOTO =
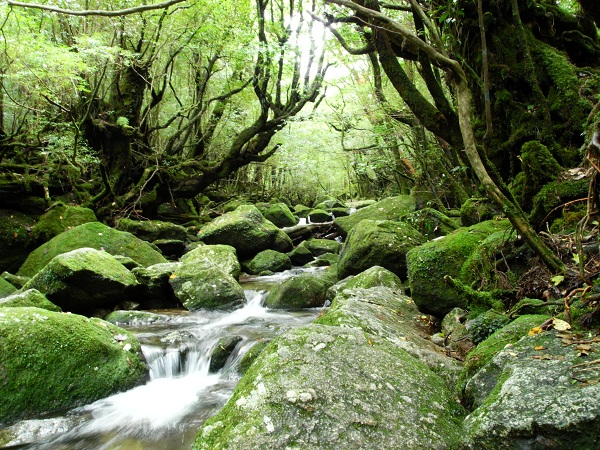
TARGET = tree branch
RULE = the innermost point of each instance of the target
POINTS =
(92, 12)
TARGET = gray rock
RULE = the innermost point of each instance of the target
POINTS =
(538, 393)
(330, 387)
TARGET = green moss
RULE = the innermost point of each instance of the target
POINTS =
(29, 297)
(430, 263)
(94, 235)
(16, 239)
(54, 360)
(555, 194)
(60, 218)
(251, 355)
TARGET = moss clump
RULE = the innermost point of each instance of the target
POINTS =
(430, 222)
(30, 297)
(539, 167)
(6, 288)
(555, 194)
(475, 210)
(53, 360)
(94, 235)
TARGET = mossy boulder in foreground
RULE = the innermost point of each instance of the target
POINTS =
(321, 387)
(247, 231)
(378, 243)
(541, 392)
(153, 230)
(53, 360)
(83, 280)
(93, 235)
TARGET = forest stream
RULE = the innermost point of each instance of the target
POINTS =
(167, 411)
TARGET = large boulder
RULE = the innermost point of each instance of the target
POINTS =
(153, 230)
(155, 291)
(430, 263)
(247, 230)
(52, 361)
(206, 283)
(92, 235)
(541, 392)
(29, 297)
(383, 311)
(372, 277)
(378, 243)
(267, 262)
(222, 256)
(60, 218)
(319, 247)
(279, 214)
(83, 280)
(391, 208)
(307, 290)
(324, 386)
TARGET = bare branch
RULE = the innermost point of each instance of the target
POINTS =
(92, 12)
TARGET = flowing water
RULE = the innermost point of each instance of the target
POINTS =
(167, 411)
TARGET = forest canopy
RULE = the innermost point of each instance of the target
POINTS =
(138, 110)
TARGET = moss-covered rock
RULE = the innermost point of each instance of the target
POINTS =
(487, 349)
(327, 259)
(279, 214)
(391, 208)
(223, 349)
(429, 264)
(539, 167)
(268, 262)
(331, 387)
(15, 280)
(319, 216)
(6, 288)
(372, 277)
(537, 393)
(92, 235)
(246, 230)
(382, 243)
(155, 291)
(475, 210)
(202, 284)
(482, 326)
(304, 291)
(153, 230)
(84, 279)
(319, 247)
(222, 256)
(430, 222)
(16, 239)
(123, 317)
(301, 255)
(29, 297)
(52, 361)
(302, 211)
(60, 218)
(387, 313)
(251, 355)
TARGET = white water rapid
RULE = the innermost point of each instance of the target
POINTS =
(167, 411)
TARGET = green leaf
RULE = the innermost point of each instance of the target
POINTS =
(557, 279)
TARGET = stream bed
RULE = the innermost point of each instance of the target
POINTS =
(181, 394)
